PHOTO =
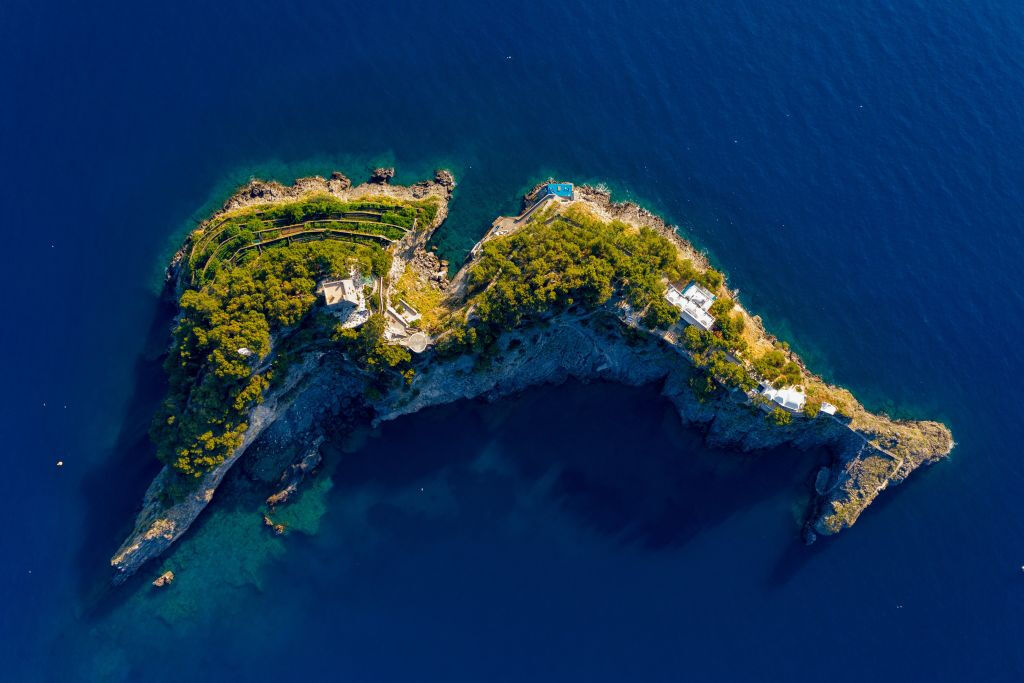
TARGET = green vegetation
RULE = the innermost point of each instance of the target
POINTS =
(703, 386)
(368, 348)
(774, 367)
(812, 407)
(213, 381)
(722, 306)
(711, 279)
(730, 329)
(779, 417)
(661, 314)
(561, 261)
(318, 216)
(709, 353)
(426, 299)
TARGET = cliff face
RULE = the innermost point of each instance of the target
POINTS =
(162, 519)
(870, 451)
(593, 348)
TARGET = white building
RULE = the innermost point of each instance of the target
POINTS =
(340, 292)
(344, 298)
(828, 408)
(789, 398)
(693, 302)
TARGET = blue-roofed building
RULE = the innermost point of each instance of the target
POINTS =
(563, 190)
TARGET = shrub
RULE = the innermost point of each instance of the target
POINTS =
(661, 314)
(721, 306)
(711, 279)
(211, 385)
(573, 259)
(702, 385)
(811, 408)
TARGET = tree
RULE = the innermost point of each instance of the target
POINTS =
(779, 417)
(711, 279)
(812, 407)
(703, 386)
(731, 328)
(721, 306)
(661, 314)
(380, 262)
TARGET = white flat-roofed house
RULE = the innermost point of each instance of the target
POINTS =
(693, 303)
(345, 299)
(828, 408)
(789, 398)
(339, 292)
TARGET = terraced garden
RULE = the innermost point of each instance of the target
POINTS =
(244, 233)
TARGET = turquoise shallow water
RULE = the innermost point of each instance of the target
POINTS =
(855, 170)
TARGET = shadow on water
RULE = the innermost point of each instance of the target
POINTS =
(617, 459)
(114, 488)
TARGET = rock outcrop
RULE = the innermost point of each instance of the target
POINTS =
(444, 178)
(164, 579)
(296, 473)
(164, 517)
(870, 452)
(382, 175)
(278, 529)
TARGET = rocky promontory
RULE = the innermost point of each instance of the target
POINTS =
(440, 339)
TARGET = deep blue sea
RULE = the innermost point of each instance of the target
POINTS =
(856, 168)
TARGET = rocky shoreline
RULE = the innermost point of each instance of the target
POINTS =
(870, 452)
(160, 522)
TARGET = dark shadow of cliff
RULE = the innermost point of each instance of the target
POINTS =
(616, 458)
(114, 488)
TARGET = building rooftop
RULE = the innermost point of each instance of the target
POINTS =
(341, 291)
(790, 398)
(693, 302)
(828, 408)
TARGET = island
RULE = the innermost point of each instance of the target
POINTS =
(299, 304)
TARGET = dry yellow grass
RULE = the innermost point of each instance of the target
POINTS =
(421, 295)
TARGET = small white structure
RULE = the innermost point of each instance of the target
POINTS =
(693, 302)
(245, 352)
(417, 343)
(828, 408)
(408, 313)
(340, 292)
(789, 398)
(345, 299)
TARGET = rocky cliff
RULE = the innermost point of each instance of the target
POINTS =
(870, 451)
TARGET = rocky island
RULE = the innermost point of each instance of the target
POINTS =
(301, 304)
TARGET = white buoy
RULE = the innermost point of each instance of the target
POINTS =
(60, 463)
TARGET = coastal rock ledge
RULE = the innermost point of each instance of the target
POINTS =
(611, 340)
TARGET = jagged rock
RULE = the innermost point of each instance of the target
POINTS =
(339, 182)
(164, 579)
(566, 346)
(444, 177)
(382, 175)
(278, 529)
(296, 472)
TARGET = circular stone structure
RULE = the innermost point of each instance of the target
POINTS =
(417, 342)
